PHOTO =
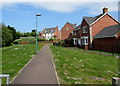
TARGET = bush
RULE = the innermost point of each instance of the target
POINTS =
(68, 43)
(59, 43)
(41, 39)
(30, 41)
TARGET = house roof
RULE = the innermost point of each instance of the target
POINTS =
(77, 27)
(74, 26)
(49, 30)
(90, 20)
(109, 31)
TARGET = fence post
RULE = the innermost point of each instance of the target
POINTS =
(100, 49)
(112, 51)
(0, 82)
(115, 81)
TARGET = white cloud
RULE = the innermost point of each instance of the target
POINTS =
(66, 6)
(60, 0)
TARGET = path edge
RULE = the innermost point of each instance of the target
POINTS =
(54, 66)
(25, 66)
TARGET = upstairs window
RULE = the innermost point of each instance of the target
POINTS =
(85, 29)
(67, 28)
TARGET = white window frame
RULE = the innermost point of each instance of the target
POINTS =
(85, 29)
(75, 39)
(85, 38)
(74, 32)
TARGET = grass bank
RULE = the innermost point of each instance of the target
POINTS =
(15, 57)
(79, 67)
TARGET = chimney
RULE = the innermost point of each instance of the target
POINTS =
(75, 24)
(105, 10)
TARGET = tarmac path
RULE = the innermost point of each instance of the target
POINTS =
(39, 70)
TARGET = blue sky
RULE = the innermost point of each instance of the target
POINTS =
(21, 15)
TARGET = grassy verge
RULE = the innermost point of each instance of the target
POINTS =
(79, 67)
(96, 51)
(15, 57)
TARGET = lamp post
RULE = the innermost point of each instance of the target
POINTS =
(37, 33)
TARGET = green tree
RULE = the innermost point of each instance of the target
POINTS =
(7, 37)
(13, 32)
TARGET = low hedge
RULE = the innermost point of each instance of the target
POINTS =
(29, 41)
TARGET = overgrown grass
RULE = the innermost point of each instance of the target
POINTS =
(15, 57)
(79, 67)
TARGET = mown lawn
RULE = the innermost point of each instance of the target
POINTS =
(15, 57)
(79, 67)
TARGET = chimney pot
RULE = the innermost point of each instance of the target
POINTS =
(105, 10)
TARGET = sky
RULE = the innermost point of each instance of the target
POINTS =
(21, 14)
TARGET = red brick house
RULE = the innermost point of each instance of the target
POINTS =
(75, 35)
(108, 39)
(50, 33)
(90, 27)
(66, 30)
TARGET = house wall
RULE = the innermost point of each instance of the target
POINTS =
(106, 44)
(102, 23)
(57, 33)
(84, 23)
(64, 32)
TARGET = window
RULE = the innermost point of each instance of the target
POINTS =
(67, 28)
(74, 32)
(85, 29)
(84, 40)
(75, 41)
(52, 31)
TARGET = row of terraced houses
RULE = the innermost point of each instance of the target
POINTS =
(101, 32)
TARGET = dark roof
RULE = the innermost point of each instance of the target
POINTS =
(74, 26)
(109, 31)
(49, 30)
(90, 20)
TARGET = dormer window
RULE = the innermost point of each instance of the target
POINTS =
(85, 29)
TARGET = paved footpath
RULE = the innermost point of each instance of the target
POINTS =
(39, 70)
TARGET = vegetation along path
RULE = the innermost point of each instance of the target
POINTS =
(39, 70)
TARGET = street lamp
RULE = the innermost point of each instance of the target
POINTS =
(37, 33)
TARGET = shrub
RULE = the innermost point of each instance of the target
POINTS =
(41, 39)
(30, 41)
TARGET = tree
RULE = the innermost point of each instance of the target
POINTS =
(7, 37)
(34, 30)
(13, 32)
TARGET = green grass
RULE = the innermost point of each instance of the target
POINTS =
(95, 51)
(79, 67)
(15, 57)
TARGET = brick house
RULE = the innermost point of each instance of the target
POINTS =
(75, 35)
(66, 30)
(91, 26)
(50, 33)
(108, 39)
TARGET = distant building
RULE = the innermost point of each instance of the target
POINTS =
(50, 33)
(66, 30)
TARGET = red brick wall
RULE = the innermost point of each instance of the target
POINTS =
(57, 33)
(64, 32)
(103, 22)
(106, 44)
(84, 23)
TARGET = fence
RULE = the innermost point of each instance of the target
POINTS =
(7, 76)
